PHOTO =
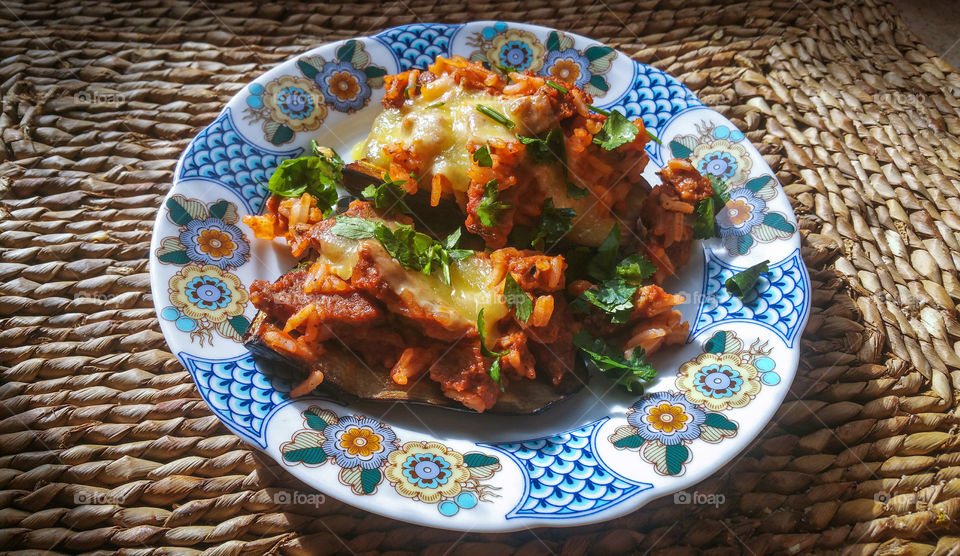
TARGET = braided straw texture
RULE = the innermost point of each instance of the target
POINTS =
(105, 444)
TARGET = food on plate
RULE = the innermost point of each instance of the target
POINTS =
(491, 315)
(503, 145)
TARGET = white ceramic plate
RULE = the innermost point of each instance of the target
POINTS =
(597, 456)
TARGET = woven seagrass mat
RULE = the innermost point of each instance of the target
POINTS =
(858, 119)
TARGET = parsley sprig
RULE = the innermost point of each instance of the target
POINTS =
(628, 373)
(608, 114)
(317, 175)
(708, 208)
(387, 195)
(412, 249)
(516, 298)
(490, 207)
(494, 370)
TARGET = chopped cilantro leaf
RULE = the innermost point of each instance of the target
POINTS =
(387, 195)
(494, 373)
(742, 282)
(635, 269)
(554, 223)
(482, 157)
(613, 297)
(489, 209)
(517, 299)
(496, 116)
(628, 373)
(482, 329)
(412, 249)
(317, 175)
(616, 131)
(603, 264)
(549, 150)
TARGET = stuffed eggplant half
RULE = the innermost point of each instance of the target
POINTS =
(567, 248)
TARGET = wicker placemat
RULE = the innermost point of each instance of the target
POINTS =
(105, 443)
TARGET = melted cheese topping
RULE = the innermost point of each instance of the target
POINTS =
(467, 294)
(440, 134)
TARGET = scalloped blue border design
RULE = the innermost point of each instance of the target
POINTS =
(567, 472)
(416, 45)
(779, 302)
(222, 155)
(237, 392)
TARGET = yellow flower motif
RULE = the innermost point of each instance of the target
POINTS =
(517, 49)
(360, 441)
(216, 243)
(207, 293)
(566, 70)
(724, 159)
(667, 417)
(738, 211)
(427, 471)
(719, 381)
(344, 85)
(295, 102)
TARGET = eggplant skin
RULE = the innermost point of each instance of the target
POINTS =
(347, 379)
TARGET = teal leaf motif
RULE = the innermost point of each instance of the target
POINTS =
(675, 456)
(217, 210)
(369, 479)
(553, 41)
(374, 71)
(307, 69)
(599, 82)
(178, 214)
(756, 184)
(281, 135)
(778, 221)
(314, 421)
(744, 243)
(239, 323)
(597, 52)
(718, 421)
(476, 459)
(632, 441)
(175, 257)
(716, 343)
(310, 456)
(345, 52)
(679, 150)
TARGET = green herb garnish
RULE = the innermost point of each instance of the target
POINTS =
(516, 298)
(496, 116)
(628, 373)
(652, 136)
(317, 175)
(613, 297)
(705, 224)
(554, 223)
(616, 131)
(495, 367)
(489, 209)
(406, 90)
(412, 249)
(388, 195)
(742, 282)
(635, 269)
(549, 150)
(437, 104)
(558, 87)
(482, 157)
(603, 265)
